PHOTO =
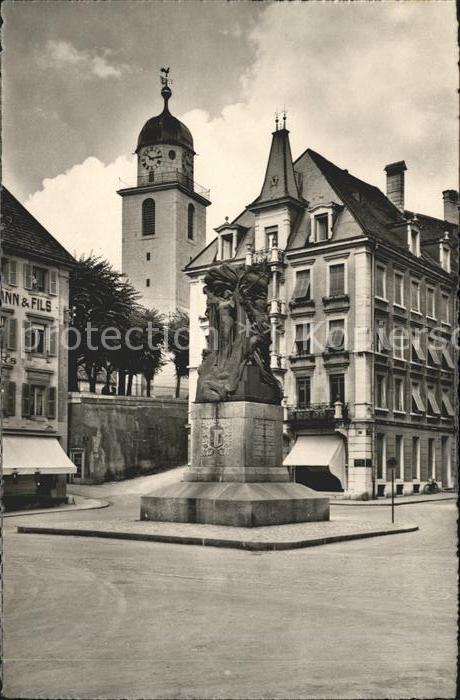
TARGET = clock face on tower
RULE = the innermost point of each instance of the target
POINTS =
(151, 158)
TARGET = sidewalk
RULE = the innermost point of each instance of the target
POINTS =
(80, 503)
(399, 500)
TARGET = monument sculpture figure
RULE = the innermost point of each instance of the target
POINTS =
(239, 329)
(236, 476)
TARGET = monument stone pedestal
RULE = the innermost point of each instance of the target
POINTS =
(236, 476)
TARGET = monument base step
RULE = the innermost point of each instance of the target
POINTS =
(237, 504)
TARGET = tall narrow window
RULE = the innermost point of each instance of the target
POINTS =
(302, 285)
(445, 257)
(302, 339)
(148, 217)
(321, 227)
(431, 458)
(414, 296)
(415, 242)
(381, 391)
(445, 309)
(416, 458)
(336, 280)
(399, 289)
(191, 222)
(336, 335)
(303, 392)
(430, 303)
(399, 394)
(380, 283)
(271, 236)
(336, 388)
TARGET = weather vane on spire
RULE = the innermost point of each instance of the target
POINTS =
(164, 76)
(284, 117)
(277, 119)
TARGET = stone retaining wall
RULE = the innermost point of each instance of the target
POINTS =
(123, 436)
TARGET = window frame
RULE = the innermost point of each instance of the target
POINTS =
(399, 396)
(414, 283)
(190, 222)
(344, 345)
(330, 376)
(399, 454)
(302, 340)
(383, 437)
(381, 381)
(336, 263)
(152, 232)
(400, 275)
(297, 272)
(380, 267)
(306, 380)
(446, 320)
(431, 290)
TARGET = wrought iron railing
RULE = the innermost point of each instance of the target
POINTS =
(270, 255)
(165, 178)
(317, 413)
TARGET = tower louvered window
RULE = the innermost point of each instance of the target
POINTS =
(191, 222)
(148, 217)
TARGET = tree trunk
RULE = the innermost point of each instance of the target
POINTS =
(148, 387)
(177, 386)
(121, 382)
(130, 384)
(92, 377)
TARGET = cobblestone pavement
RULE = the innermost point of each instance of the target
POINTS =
(94, 618)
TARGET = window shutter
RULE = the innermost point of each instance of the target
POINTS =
(9, 406)
(27, 271)
(12, 276)
(52, 347)
(28, 336)
(11, 335)
(52, 277)
(51, 402)
(26, 400)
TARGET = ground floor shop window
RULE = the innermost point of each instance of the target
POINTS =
(400, 457)
(416, 458)
(381, 449)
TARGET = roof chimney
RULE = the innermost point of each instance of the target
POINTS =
(450, 199)
(395, 183)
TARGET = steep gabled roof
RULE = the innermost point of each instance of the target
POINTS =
(370, 207)
(279, 182)
(24, 235)
(205, 257)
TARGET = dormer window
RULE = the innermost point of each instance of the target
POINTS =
(414, 241)
(321, 227)
(444, 256)
(227, 247)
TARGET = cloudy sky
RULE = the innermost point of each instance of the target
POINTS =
(364, 83)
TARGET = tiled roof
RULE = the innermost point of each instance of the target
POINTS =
(24, 235)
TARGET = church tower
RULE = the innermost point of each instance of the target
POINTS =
(164, 215)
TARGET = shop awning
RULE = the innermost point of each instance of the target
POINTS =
(315, 451)
(27, 455)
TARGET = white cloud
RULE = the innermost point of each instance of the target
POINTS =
(365, 84)
(65, 53)
(81, 208)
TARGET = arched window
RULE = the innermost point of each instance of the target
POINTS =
(148, 217)
(191, 222)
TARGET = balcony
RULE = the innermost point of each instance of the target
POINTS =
(321, 415)
(273, 256)
(166, 178)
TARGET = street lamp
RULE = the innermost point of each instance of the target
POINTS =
(391, 465)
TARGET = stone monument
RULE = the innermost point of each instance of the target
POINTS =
(236, 475)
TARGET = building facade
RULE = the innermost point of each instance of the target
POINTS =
(163, 219)
(35, 299)
(362, 308)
